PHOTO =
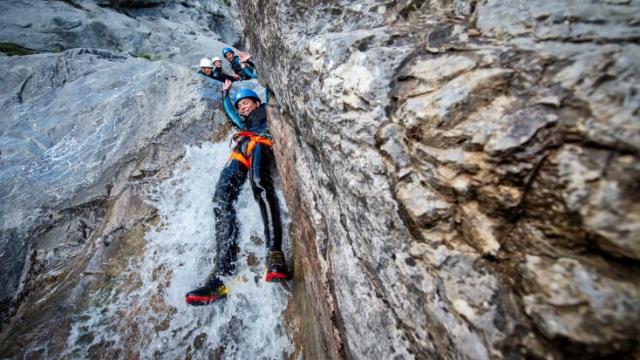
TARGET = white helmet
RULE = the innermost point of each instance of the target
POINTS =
(204, 62)
(216, 59)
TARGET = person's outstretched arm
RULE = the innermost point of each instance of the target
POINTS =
(247, 65)
(231, 112)
(231, 78)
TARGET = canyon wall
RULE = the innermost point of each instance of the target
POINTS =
(462, 175)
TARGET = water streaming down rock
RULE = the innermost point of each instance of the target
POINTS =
(141, 312)
(78, 120)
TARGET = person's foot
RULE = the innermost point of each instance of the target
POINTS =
(213, 290)
(276, 267)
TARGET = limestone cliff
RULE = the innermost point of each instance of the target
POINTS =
(463, 174)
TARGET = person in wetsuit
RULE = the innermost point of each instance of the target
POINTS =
(213, 69)
(206, 67)
(252, 155)
(241, 64)
(219, 74)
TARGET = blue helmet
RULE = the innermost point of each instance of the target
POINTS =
(245, 94)
(225, 51)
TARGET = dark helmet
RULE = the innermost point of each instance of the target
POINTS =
(244, 94)
(225, 51)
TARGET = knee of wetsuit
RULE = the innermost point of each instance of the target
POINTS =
(221, 202)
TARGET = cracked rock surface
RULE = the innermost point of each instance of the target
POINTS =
(463, 175)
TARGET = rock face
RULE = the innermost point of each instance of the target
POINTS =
(82, 127)
(463, 176)
(85, 134)
(108, 165)
(179, 31)
(109, 172)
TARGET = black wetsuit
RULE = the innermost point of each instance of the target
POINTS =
(251, 155)
(218, 74)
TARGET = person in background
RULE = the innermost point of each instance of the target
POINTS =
(241, 64)
(213, 69)
(206, 67)
(219, 74)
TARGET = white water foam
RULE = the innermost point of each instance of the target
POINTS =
(178, 255)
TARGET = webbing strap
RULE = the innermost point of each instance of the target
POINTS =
(245, 134)
(255, 140)
(239, 157)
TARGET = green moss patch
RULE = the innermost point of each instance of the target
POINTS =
(150, 57)
(15, 49)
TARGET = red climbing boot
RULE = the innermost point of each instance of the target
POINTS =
(276, 267)
(212, 291)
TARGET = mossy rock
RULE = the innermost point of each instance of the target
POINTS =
(15, 49)
(150, 57)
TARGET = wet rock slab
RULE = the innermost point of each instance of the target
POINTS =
(84, 131)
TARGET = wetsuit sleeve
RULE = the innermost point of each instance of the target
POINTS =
(232, 114)
(266, 96)
(247, 72)
(250, 72)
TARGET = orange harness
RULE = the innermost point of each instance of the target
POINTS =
(254, 139)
